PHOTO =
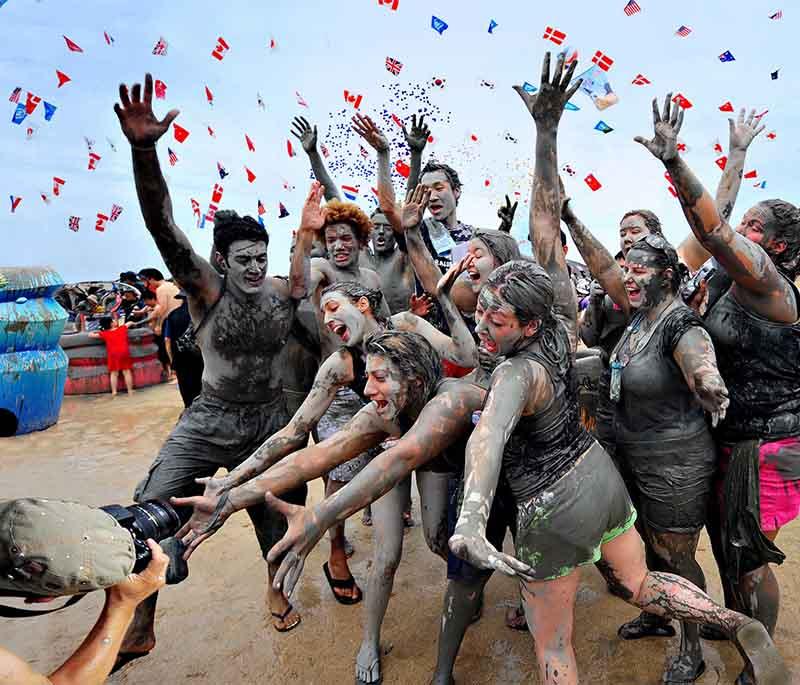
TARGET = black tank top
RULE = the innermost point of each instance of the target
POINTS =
(546, 444)
(760, 362)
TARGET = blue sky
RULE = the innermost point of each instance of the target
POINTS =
(324, 48)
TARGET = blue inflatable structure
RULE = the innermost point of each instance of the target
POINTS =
(33, 368)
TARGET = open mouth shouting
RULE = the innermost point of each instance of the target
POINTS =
(634, 293)
(488, 345)
(339, 329)
(341, 257)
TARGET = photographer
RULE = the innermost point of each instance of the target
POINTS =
(50, 549)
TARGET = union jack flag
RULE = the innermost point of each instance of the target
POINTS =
(173, 158)
(641, 80)
(554, 35)
(631, 8)
(160, 48)
(116, 210)
(777, 15)
(683, 31)
(363, 151)
(393, 65)
(74, 223)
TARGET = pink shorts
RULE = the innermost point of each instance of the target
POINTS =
(779, 481)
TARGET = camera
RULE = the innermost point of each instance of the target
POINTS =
(154, 519)
(690, 288)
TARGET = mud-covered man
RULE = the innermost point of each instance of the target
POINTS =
(241, 317)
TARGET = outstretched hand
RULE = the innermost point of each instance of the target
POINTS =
(547, 104)
(664, 145)
(414, 207)
(417, 137)
(305, 133)
(302, 535)
(367, 129)
(446, 282)
(210, 511)
(742, 132)
(420, 306)
(139, 124)
(313, 216)
(506, 215)
(479, 552)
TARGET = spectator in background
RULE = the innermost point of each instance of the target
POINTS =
(119, 358)
(165, 296)
(183, 351)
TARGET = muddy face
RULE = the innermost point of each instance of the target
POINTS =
(386, 387)
(383, 240)
(757, 226)
(246, 265)
(499, 330)
(647, 284)
(630, 230)
(342, 246)
(483, 264)
(343, 318)
(443, 199)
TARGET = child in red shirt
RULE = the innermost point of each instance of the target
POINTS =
(116, 339)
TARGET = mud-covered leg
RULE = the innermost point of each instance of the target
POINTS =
(432, 488)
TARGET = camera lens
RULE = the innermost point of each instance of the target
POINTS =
(155, 519)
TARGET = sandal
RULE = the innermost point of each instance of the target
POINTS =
(374, 667)
(124, 658)
(646, 625)
(348, 584)
(683, 670)
(282, 617)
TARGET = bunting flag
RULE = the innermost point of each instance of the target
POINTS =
(15, 203)
(62, 78)
(261, 209)
(726, 107)
(324, 150)
(195, 208)
(94, 158)
(250, 175)
(641, 80)
(44, 197)
(31, 103)
(210, 96)
(161, 47)
(721, 162)
(683, 31)
(260, 102)
(222, 172)
(74, 223)
(116, 210)
(109, 38)
(49, 111)
(492, 25)
(249, 142)
(19, 114)
(181, 134)
(350, 192)
(592, 182)
(57, 183)
(173, 158)
(220, 49)
(160, 89)
(14, 97)
(72, 45)
(300, 100)
(751, 174)
(100, 224)
(282, 211)
(290, 149)
(211, 131)
(111, 144)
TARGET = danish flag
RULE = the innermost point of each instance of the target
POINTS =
(603, 61)
(57, 183)
(554, 35)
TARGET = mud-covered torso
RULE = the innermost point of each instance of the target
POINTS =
(655, 402)
(546, 444)
(760, 363)
(242, 340)
(397, 280)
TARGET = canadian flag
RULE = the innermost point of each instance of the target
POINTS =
(219, 51)
(57, 183)
(602, 60)
(352, 99)
(391, 4)
(250, 175)
(31, 102)
(94, 158)
(101, 222)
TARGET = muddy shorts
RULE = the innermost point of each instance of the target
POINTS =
(670, 481)
(501, 518)
(215, 433)
(344, 407)
(565, 525)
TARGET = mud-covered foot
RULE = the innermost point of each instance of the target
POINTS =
(646, 625)
(684, 669)
(368, 665)
(134, 650)
(349, 550)
(515, 618)
(763, 663)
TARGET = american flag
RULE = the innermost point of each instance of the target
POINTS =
(554, 35)
(777, 15)
(15, 94)
(641, 80)
(116, 210)
(160, 48)
(683, 31)
(173, 158)
(393, 65)
(74, 223)
(631, 8)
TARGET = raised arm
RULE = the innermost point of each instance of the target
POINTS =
(695, 356)
(445, 419)
(546, 108)
(307, 135)
(416, 139)
(758, 282)
(512, 386)
(410, 219)
(142, 129)
(312, 220)
(506, 215)
(742, 133)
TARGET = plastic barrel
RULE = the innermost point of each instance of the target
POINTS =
(88, 373)
(33, 368)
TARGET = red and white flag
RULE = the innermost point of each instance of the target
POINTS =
(94, 158)
(195, 208)
(592, 182)
(15, 203)
(221, 49)
(721, 162)
(393, 66)
(116, 210)
(57, 183)
(751, 174)
(209, 96)
(160, 89)
(161, 46)
(290, 149)
(109, 38)
(726, 107)
(683, 31)
(641, 80)
(352, 99)
(554, 35)
(32, 102)
(602, 60)
(631, 8)
(14, 97)
(391, 4)
(100, 225)
(74, 223)
(682, 101)
(324, 150)
(300, 100)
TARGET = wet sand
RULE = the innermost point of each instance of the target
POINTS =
(215, 628)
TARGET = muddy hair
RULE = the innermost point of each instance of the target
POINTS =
(354, 291)
(502, 245)
(785, 227)
(525, 287)
(230, 227)
(665, 257)
(652, 222)
(415, 358)
(450, 172)
(338, 212)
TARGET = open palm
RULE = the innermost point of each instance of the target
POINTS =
(139, 124)
(664, 144)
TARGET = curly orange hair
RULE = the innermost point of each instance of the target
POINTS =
(339, 212)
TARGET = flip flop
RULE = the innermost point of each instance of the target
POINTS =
(282, 616)
(681, 670)
(348, 584)
(763, 663)
(641, 627)
(376, 664)
(124, 658)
